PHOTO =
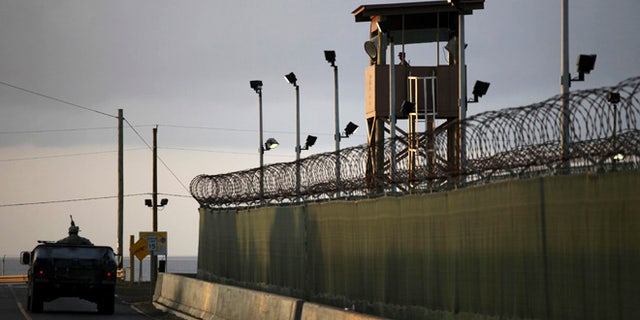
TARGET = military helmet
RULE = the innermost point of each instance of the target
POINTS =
(73, 230)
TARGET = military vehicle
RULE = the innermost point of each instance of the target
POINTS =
(67, 269)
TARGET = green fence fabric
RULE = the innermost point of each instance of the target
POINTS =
(564, 247)
(254, 246)
(593, 240)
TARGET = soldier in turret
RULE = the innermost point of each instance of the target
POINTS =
(74, 238)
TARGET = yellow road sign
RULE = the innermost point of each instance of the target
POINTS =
(139, 249)
(156, 242)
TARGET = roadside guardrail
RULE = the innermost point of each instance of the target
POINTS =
(13, 279)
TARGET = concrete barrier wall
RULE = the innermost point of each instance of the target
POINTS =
(196, 299)
(191, 297)
(563, 247)
(206, 300)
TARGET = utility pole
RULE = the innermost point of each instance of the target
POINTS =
(154, 196)
(120, 188)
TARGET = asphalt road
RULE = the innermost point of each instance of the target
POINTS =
(13, 298)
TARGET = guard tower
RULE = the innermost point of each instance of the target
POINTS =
(399, 91)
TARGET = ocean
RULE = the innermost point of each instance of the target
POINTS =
(11, 266)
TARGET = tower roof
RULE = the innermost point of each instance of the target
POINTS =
(417, 22)
(367, 12)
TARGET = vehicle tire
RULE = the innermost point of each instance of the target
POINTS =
(36, 302)
(106, 303)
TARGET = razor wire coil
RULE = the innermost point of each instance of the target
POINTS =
(508, 143)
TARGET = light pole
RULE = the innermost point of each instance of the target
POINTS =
(257, 86)
(291, 78)
(271, 143)
(330, 56)
(462, 83)
(614, 99)
(585, 65)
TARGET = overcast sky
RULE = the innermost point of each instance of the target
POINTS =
(186, 65)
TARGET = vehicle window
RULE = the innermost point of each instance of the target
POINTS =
(74, 253)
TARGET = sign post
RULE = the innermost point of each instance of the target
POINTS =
(155, 244)
(149, 243)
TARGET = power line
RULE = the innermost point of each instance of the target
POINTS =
(68, 155)
(161, 161)
(149, 125)
(57, 130)
(89, 199)
(175, 195)
(173, 174)
(206, 128)
(236, 129)
(65, 155)
(68, 200)
(221, 129)
(56, 99)
(137, 133)
(219, 151)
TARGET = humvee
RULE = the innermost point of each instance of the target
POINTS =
(62, 270)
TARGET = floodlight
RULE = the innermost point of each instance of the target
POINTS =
(148, 202)
(613, 97)
(407, 107)
(479, 90)
(618, 156)
(311, 140)
(164, 202)
(330, 56)
(371, 49)
(350, 129)
(291, 77)
(256, 85)
(271, 144)
(585, 64)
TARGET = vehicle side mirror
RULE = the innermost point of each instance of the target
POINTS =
(25, 257)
